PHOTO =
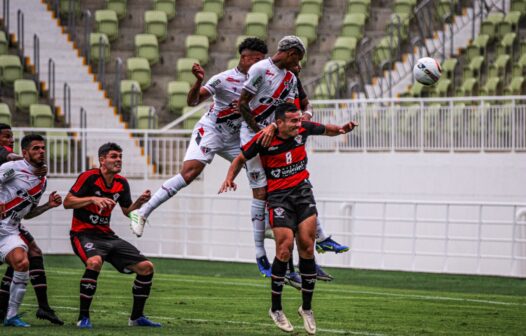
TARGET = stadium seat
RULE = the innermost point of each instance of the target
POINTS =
(5, 114)
(344, 49)
(64, 7)
(10, 68)
(107, 23)
(147, 46)
(177, 93)
(359, 7)
(469, 87)
(96, 42)
(131, 94)
(321, 92)
(500, 67)
(489, 25)
(507, 44)
(449, 67)
(510, 24)
(215, 6)
(311, 7)
(4, 44)
(167, 6)
(403, 7)
(157, 24)
(40, 115)
(146, 118)
(519, 66)
(493, 87)
(307, 26)
(138, 69)
(119, 6)
(477, 47)
(57, 146)
(26, 94)
(206, 25)
(474, 68)
(197, 47)
(516, 87)
(353, 26)
(518, 6)
(184, 70)
(256, 24)
(263, 6)
(232, 63)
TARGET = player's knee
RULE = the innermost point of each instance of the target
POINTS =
(34, 250)
(283, 253)
(308, 252)
(260, 193)
(94, 263)
(21, 265)
(145, 268)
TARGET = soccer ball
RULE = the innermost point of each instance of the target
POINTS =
(427, 71)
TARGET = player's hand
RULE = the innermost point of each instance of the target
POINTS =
(41, 171)
(145, 197)
(227, 185)
(266, 135)
(348, 127)
(102, 203)
(54, 200)
(198, 71)
(306, 117)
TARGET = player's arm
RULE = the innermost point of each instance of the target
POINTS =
(334, 130)
(145, 197)
(75, 202)
(244, 109)
(54, 201)
(14, 157)
(197, 93)
(233, 171)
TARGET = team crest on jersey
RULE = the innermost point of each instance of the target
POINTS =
(287, 84)
(254, 175)
(205, 150)
(278, 212)
(298, 139)
(275, 173)
(116, 197)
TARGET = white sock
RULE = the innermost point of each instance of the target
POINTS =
(320, 233)
(17, 292)
(163, 194)
(257, 212)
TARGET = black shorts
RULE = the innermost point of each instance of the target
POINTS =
(111, 248)
(291, 207)
(26, 236)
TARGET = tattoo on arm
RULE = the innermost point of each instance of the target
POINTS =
(37, 211)
(192, 99)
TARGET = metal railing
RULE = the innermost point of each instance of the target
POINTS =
(412, 235)
(5, 16)
(20, 33)
(36, 59)
(67, 103)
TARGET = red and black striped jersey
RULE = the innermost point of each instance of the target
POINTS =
(285, 160)
(92, 183)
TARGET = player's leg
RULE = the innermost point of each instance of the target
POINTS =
(5, 284)
(292, 278)
(305, 239)
(91, 251)
(37, 275)
(126, 258)
(16, 256)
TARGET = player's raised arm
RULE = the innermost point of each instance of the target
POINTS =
(334, 130)
(245, 111)
(233, 171)
(197, 93)
(54, 201)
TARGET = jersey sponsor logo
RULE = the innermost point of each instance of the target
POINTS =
(215, 83)
(88, 247)
(273, 148)
(9, 173)
(279, 213)
(289, 170)
(97, 193)
(257, 81)
(232, 80)
(269, 73)
(94, 219)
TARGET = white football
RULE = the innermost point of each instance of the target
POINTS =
(427, 71)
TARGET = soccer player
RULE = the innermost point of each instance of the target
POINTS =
(292, 207)
(216, 133)
(36, 261)
(93, 197)
(270, 83)
(20, 193)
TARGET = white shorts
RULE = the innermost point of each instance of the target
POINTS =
(206, 142)
(255, 172)
(8, 243)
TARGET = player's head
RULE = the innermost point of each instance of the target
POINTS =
(288, 119)
(251, 51)
(34, 149)
(110, 158)
(293, 49)
(6, 136)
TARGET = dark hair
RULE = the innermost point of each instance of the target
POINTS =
(107, 147)
(284, 108)
(28, 139)
(4, 126)
(254, 44)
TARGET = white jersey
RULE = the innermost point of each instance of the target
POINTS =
(20, 191)
(225, 88)
(271, 86)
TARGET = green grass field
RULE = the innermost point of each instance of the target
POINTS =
(215, 298)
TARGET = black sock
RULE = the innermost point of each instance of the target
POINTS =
(4, 289)
(279, 269)
(291, 264)
(308, 280)
(88, 286)
(141, 290)
(38, 280)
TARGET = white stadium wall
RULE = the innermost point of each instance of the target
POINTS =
(433, 212)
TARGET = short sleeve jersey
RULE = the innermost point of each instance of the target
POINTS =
(225, 88)
(285, 160)
(20, 191)
(90, 217)
(271, 87)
